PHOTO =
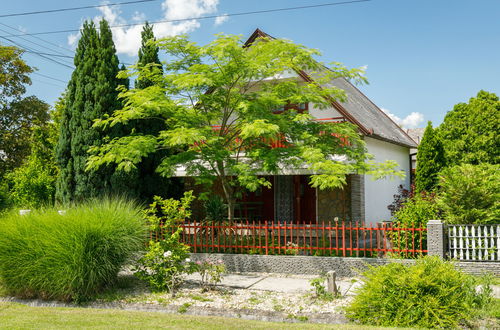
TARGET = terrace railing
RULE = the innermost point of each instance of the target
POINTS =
(333, 238)
(474, 242)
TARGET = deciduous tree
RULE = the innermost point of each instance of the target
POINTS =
(217, 104)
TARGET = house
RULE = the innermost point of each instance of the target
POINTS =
(416, 134)
(291, 199)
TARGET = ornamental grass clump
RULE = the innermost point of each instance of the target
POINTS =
(430, 294)
(69, 257)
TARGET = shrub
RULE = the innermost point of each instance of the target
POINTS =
(470, 194)
(33, 184)
(166, 261)
(414, 213)
(210, 272)
(431, 293)
(68, 257)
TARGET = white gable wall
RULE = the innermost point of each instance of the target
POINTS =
(380, 193)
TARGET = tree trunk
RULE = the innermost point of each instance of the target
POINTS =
(230, 208)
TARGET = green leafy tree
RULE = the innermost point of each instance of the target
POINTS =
(17, 119)
(14, 74)
(91, 94)
(18, 114)
(470, 194)
(217, 103)
(32, 185)
(470, 131)
(430, 160)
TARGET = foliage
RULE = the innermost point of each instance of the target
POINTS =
(13, 74)
(217, 105)
(91, 94)
(71, 256)
(32, 185)
(166, 261)
(430, 160)
(210, 272)
(400, 198)
(470, 131)
(415, 213)
(432, 293)
(152, 182)
(17, 120)
(470, 194)
(148, 58)
(320, 291)
(215, 209)
(5, 201)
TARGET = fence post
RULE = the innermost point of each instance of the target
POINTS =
(436, 238)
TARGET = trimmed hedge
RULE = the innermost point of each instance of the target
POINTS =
(68, 257)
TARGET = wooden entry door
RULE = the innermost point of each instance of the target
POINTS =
(304, 201)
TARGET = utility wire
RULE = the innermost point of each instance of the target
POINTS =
(36, 53)
(38, 38)
(206, 17)
(47, 83)
(49, 77)
(74, 8)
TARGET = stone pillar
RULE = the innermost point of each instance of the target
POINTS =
(436, 238)
(357, 197)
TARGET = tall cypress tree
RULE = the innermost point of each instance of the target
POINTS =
(148, 57)
(91, 95)
(430, 160)
(151, 182)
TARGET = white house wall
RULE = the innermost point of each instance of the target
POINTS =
(380, 193)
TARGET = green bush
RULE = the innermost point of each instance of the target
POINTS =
(166, 261)
(414, 213)
(470, 194)
(71, 256)
(431, 293)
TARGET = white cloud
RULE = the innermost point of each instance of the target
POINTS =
(128, 39)
(413, 120)
(221, 19)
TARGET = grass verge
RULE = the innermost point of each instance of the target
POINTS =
(17, 316)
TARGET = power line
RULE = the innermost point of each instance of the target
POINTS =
(74, 8)
(206, 17)
(47, 83)
(36, 53)
(38, 38)
(48, 54)
(49, 77)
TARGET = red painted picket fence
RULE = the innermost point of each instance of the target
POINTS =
(332, 238)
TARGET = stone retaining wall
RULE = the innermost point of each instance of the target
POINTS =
(345, 267)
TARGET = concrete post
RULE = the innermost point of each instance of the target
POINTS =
(331, 285)
(436, 238)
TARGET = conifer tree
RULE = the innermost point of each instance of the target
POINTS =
(430, 160)
(152, 182)
(91, 94)
(148, 56)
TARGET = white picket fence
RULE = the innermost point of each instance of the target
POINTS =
(474, 242)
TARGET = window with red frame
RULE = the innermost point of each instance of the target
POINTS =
(300, 108)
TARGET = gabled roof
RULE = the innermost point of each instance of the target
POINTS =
(358, 109)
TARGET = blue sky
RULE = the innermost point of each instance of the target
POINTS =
(422, 56)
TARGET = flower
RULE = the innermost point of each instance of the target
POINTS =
(188, 260)
(198, 262)
(167, 254)
(220, 261)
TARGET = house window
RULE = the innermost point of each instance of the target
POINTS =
(300, 108)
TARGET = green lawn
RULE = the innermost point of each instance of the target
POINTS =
(17, 316)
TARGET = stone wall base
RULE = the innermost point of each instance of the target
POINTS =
(344, 267)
